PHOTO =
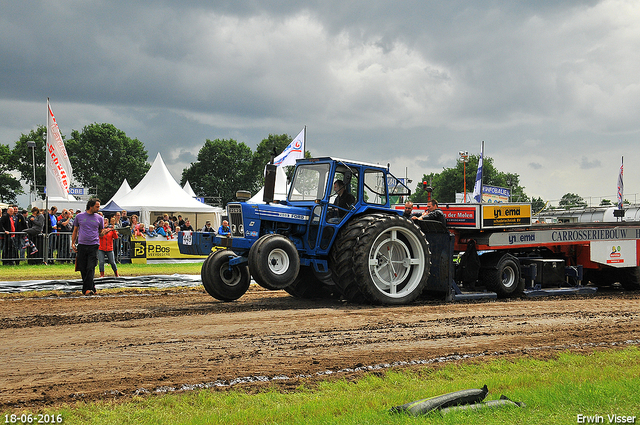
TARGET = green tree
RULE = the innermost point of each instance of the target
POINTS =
(102, 156)
(537, 205)
(22, 157)
(451, 181)
(10, 187)
(605, 202)
(222, 168)
(571, 200)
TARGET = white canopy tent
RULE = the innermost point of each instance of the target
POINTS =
(158, 192)
(122, 191)
(281, 189)
(187, 188)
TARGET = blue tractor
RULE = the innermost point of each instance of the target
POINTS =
(318, 242)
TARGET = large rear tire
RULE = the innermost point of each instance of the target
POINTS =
(221, 281)
(389, 261)
(274, 262)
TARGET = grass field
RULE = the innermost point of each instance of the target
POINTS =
(557, 391)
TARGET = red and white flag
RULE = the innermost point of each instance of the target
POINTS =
(58, 165)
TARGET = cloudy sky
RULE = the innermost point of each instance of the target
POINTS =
(552, 87)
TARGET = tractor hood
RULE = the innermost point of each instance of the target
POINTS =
(281, 213)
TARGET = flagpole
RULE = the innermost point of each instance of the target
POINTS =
(45, 254)
(482, 173)
(46, 162)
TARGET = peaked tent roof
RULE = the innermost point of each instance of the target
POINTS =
(111, 207)
(159, 191)
(280, 192)
(123, 190)
(187, 188)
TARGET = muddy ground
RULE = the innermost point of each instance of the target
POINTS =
(69, 348)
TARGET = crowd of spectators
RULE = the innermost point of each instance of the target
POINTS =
(22, 232)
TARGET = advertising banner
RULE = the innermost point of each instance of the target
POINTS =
(614, 253)
(533, 237)
(495, 194)
(497, 215)
(462, 216)
(145, 248)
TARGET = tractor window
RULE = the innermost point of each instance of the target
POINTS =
(375, 190)
(309, 182)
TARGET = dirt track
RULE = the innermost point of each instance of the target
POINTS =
(61, 350)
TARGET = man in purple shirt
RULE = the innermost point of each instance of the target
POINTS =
(85, 240)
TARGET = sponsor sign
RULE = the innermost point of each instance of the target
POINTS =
(465, 216)
(157, 248)
(614, 253)
(560, 236)
(506, 215)
(495, 194)
(78, 191)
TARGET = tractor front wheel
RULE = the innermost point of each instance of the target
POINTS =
(274, 262)
(224, 282)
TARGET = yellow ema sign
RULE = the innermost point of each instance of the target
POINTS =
(506, 215)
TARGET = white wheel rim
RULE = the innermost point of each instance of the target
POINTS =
(396, 262)
(278, 261)
(508, 277)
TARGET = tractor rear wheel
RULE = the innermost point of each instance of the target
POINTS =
(221, 281)
(389, 260)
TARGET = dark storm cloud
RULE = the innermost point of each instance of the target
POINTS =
(409, 83)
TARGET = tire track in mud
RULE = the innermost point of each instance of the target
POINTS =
(85, 348)
(289, 303)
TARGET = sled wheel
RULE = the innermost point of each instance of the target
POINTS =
(630, 278)
(504, 278)
(274, 262)
(223, 282)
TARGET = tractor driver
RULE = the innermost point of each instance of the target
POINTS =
(344, 199)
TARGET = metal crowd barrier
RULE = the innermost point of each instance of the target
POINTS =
(51, 248)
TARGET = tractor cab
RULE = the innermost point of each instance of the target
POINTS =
(337, 190)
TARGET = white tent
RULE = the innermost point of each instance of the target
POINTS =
(187, 188)
(122, 191)
(159, 192)
(280, 193)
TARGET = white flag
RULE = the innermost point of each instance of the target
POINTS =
(620, 186)
(477, 188)
(294, 151)
(58, 165)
